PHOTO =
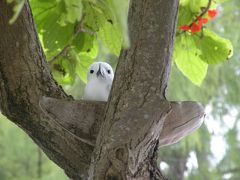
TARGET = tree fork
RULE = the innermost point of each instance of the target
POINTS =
(120, 137)
(137, 106)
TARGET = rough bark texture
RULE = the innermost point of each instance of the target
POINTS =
(24, 79)
(114, 140)
(129, 137)
(184, 118)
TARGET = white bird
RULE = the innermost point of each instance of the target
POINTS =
(99, 82)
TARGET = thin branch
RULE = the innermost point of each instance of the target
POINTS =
(60, 54)
(79, 26)
(203, 12)
(197, 18)
(78, 29)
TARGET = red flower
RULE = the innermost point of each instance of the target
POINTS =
(212, 13)
(196, 28)
(202, 21)
(197, 24)
(184, 28)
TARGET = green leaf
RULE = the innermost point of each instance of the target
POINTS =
(63, 71)
(119, 9)
(187, 58)
(196, 5)
(111, 38)
(82, 66)
(83, 42)
(95, 17)
(72, 11)
(62, 79)
(215, 49)
(184, 2)
(53, 39)
(185, 15)
(70, 63)
(84, 60)
(53, 35)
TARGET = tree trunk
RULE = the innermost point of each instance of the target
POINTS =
(94, 140)
(25, 78)
(128, 140)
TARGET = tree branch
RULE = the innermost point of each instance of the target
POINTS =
(81, 118)
(137, 106)
(182, 120)
(123, 134)
(25, 78)
(79, 28)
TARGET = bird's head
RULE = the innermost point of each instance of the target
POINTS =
(101, 71)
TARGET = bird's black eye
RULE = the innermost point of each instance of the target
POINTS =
(91, 71)
(108, 71)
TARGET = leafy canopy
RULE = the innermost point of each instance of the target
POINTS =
(74, 33)
(196, 46)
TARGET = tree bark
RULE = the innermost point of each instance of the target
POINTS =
(96, 140)
(25, 78)
(128, 140)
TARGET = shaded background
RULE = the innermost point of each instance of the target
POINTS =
(212, 152)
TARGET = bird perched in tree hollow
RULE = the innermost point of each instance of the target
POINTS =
(99, 82)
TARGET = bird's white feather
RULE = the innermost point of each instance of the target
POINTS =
(100, 77)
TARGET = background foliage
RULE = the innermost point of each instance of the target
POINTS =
(74, 33)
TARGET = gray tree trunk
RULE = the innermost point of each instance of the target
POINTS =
(94, 140)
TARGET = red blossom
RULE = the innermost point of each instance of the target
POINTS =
(212, 13)
(203, 21)
(196, 28)
(197, 24)
(184, 28)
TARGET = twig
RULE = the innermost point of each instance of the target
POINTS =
(197, 18)
(78, 29)
(62, 53)
(79, 26)
(203, 12)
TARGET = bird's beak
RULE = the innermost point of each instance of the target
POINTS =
(100, 72)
